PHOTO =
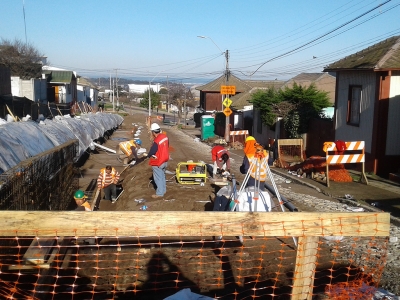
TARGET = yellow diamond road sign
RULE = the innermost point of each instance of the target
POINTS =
(227, 102)
(227, 111)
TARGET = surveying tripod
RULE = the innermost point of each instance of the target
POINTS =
(260, 163)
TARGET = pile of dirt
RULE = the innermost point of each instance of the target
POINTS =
(315, 167)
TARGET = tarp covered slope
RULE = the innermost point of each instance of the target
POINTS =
(22, 140)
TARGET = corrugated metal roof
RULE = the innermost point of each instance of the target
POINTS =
(383, 55)
(84, 82)
(60, 77)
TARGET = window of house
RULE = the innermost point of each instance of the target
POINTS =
(68, 89)
(259, 123)
(353, 105)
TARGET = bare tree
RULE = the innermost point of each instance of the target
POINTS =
(23, 60)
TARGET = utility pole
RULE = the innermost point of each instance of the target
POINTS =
(149, 101)
(116, 85)
(184, 104)
(227, 73)
(167, 95)
(113, 95)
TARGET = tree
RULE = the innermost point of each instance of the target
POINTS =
(23, 60)
(155, 99)
(308, 103)
(266, 101)
(296, 105)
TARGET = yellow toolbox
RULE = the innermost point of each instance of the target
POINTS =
(191, 173)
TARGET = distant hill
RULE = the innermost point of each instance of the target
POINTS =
(105, 81)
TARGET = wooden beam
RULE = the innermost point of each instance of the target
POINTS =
(303, 281)
(161, 223)
(38, 250)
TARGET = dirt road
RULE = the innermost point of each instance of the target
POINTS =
(136, 180)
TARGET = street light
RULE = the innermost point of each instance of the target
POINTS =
(227, 73)
(207, 37)
(150, 93)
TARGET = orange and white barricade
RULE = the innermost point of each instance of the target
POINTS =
(239, 132)
(354, 153)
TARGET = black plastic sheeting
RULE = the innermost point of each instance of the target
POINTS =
(22, 140)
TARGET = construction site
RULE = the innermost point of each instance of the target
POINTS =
(173, 247)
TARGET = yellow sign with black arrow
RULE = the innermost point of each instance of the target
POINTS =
(227, 102)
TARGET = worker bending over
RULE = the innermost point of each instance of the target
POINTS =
(107, 180)
(129, 148)
(158, 161)
(220, 158)
(256, 158)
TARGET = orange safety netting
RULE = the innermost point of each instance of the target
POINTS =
(337, 172)
(220, 267)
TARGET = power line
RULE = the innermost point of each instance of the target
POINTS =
(320, 37)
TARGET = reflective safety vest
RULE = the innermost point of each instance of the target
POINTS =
(126, 147)
(86, 205)
(103, 172)
(259, 167)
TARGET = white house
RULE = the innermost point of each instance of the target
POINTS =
(86, 92)
(33, 89)
(141, 88)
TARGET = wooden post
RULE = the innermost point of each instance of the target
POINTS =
(304, 272)
(363, 170)
(327, 173)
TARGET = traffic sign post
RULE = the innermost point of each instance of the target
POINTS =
(227, 90)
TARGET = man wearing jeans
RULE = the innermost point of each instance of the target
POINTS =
(159, 157)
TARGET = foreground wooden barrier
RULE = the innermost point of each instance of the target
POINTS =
(308, 227)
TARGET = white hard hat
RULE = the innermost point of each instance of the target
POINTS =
(155, 127)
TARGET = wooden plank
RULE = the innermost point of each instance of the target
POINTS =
(95, 199)
(304, 273)
(38, 250)
(290, 142)
(160, 223)
(28, 267)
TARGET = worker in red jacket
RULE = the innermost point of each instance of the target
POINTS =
(158, 159)
(220, 158)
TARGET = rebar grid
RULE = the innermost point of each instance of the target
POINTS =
(43, 182)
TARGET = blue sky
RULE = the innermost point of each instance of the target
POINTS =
(158, 38)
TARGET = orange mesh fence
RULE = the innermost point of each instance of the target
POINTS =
(222, 255)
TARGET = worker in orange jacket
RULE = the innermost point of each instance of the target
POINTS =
(129, 148)
(255, 162)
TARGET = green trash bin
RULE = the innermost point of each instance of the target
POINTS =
(207, 127)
